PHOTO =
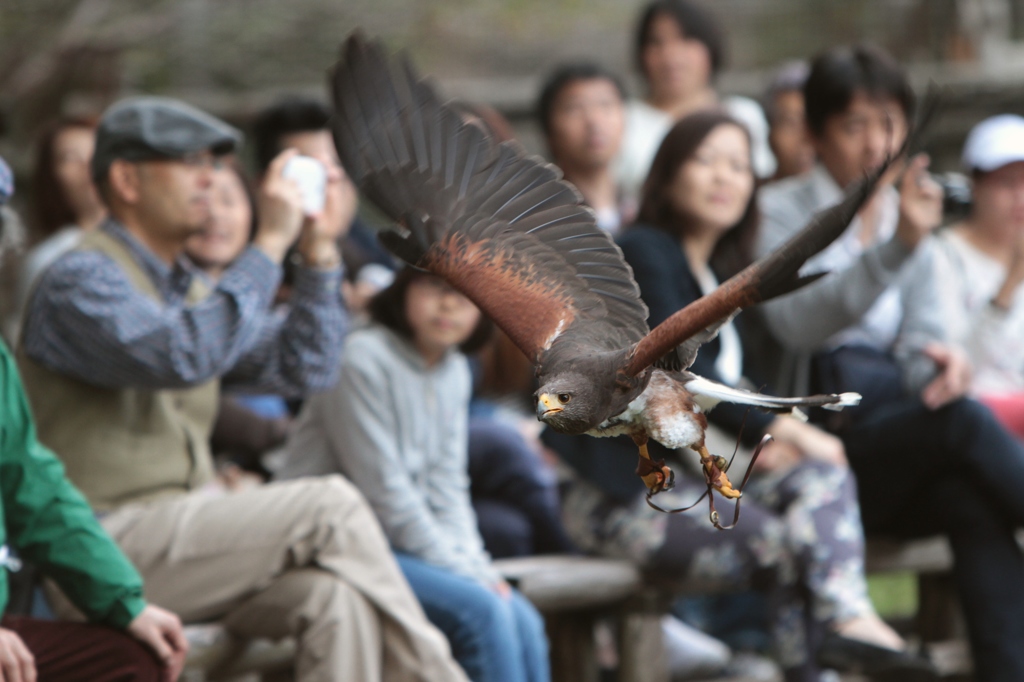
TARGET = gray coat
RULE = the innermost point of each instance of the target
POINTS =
(399, 430)
(882, 295)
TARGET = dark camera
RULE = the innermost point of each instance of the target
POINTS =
(956, 194)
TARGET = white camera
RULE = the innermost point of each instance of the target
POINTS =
(311, 177)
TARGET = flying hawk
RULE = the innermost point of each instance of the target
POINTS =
(505, 230)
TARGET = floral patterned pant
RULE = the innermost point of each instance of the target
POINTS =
(799, 537)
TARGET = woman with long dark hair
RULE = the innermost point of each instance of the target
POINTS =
(397, 425)
(801, 537)
(64, 200)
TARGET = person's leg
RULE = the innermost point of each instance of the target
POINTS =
(988, 570)
(533, 640)
(819, 504)
(921, 472)
(900, 450)
(480, 627)
(754, 554)
(203, 556)
(503, 467)
(77, 652)
(337, 629)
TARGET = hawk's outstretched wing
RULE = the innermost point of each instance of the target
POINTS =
(501, 227)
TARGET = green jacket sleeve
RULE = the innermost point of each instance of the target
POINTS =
(49, 522)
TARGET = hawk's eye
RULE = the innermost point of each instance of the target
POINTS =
(564, 398)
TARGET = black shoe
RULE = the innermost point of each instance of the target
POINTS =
(877, 662)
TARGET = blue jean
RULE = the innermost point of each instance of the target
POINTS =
(493, 639)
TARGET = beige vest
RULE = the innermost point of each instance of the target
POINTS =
(124, 445)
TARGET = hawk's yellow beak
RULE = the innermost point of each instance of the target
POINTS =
(547, 404)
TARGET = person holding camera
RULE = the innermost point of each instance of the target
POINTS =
(124, 350)
(927, 459)
(980, 263)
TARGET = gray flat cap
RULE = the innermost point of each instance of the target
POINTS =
(143, 128)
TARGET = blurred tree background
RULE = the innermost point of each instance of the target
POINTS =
(234, 56)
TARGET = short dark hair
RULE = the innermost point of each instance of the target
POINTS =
(694, 22)
(790, 77)
(287, 116)
(388, 308)
(564, 76)
(840, 73)
(735, 249)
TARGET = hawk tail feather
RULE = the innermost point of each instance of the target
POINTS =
(707, 394)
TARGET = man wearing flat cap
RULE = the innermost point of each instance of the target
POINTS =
(123, 351)
(46, 520)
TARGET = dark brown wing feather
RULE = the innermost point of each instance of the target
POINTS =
(501, 227)
(771, 276)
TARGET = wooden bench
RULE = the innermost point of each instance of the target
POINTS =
(573, 593)
(938, 621)
(930, 559)
(566, 590)
(925, 556)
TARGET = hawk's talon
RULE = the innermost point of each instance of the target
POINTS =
(671, 480)
(714, 479)
(656, 475)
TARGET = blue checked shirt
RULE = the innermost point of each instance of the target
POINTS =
(86, 320)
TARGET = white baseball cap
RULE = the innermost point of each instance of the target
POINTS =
(994, 142)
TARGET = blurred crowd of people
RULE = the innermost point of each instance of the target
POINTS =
(222, 405)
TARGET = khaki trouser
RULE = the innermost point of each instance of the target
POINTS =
(303, 558)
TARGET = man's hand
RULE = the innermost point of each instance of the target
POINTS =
(280, 210)
(321, 233)
(161, 631)
(954, 375)
(810, 441)
(920, 203)
(17, 664)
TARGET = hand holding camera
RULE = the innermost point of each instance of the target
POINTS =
(920, 203)
(307, 201)
(320, 237)
(281, 205)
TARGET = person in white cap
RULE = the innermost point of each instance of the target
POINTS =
(980, 263)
